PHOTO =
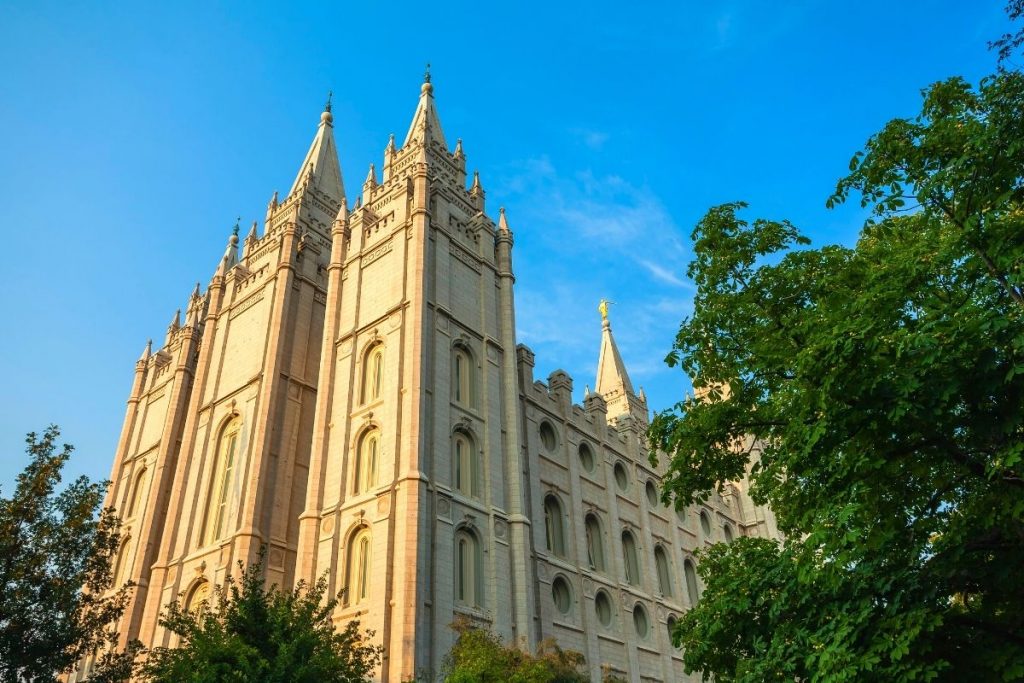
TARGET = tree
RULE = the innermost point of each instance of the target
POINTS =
(248, 632)
(884, 387)
(55, 572)
(478, 656)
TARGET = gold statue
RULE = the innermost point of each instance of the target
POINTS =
(602, 308)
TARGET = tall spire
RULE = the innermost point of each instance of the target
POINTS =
(321, 163)
(612, 379)
(426, 126)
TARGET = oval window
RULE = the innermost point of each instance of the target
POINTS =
(705, 524)
(640, 621)
(652, 494)
(603, 607)
(727, 530)
(548, 437)
(561, 594)
(586, 457)
(621, 478)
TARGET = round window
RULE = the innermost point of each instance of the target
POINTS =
(705, 524)
(640, 621)
(621, 478)
(586, 457)
(547, 436)
(561, 594)
(652, 494)
(603, 607)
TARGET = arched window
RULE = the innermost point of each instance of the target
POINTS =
(373, 373)
(652, 493)
(691, 581)
(586, 457)
(367, 460)
(621, 477)
(199, 598)
(630, 558)
(595, 544)
(727, 531)
(705, 524)
(136, 496)
(640, 622)
(222, 482)
(467, 465)
(468, 569)
(603, 607)
(664, 575)
(463, 377)
(553, 526)
(670, 626)
(120, 563)
(357, 588)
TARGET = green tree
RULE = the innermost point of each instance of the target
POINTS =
(478, 656)
(55, 572)
(884, 384)
(248, 632)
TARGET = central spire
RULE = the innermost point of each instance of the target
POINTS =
(320, 168)
(426, 126)
(612, 379)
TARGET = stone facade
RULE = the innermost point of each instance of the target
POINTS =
(348, 391)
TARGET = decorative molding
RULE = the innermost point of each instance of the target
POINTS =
(245, 304)
(464, 256)
(378, 252)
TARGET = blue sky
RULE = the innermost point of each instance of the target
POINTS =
(132, 136)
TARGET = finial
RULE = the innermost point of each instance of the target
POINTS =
(327, 107)
(477, 187)
(327, 117)
(427, 88)
(195, 292)
(234, 230)
(391, 143)
(502, 221)
(602, 308)
(458, 149)
(426, 75)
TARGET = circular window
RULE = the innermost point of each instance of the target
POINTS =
(561, 594)
(705, 524)
(603, 607)
(621, 478)
(670, 626)
(652, 494)
(547, 436)
(586, 457)
(681, 515)
(727, 530)
(640, 621)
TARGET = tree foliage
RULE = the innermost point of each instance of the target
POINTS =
(884, 384)
(56, 558)
(478, 656)
(249, 632)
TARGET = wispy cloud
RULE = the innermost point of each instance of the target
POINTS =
(664, 274)
(594, 139)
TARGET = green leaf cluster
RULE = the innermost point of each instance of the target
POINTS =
(249, 632)
(56, 554)
(479, 656)
(875, 394)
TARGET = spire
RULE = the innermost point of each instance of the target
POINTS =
(371, 177)
(502, 221)
(252, 232)
(390, 149)
(426, 125)
(175, 322)
(321, 162)
(476, 188)
(342, 216)
(459, 154)
(612, 380)
(230, 257)
(147, 352)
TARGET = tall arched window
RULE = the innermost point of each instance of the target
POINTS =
(553, 527)
(373, 373)
(120, 563)
(358, 583)
(136, 495)
(691, 581)
(223, 479)
(199, 598)
(664, 575)
(467, 467)
(468, 569)
(462, 377)
(367, 460)
(631, 560)
(595, 543)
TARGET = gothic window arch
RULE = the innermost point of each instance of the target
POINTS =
(631, 561)
(554, 525)
(373, 373)
(463, 376)
(664, 572)
(136, 493)
(359, 570)
(595, 543)
(199, 597)
(468, 569)
(222, 480)
(466, 464)
(367, 461)
(690, 573)
(120, 564)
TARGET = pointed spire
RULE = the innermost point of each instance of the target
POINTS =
(459, 154)
(586, 390)
(230, 257)
(502, 221)
(273, 201)
(252, 232)
(476, 188)
(612, 378)
(146, 352)
(425, 126)
(390, 149)
(342, 216)
(196, 292)
(320, 169)
(175, 321)
(371, 177)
